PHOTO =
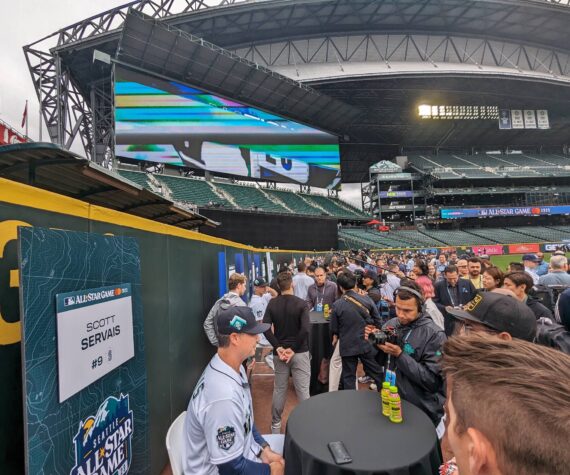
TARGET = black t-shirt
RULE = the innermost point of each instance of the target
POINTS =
(290, 317)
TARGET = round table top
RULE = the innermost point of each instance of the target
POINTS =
(355, 418)
(317, 317)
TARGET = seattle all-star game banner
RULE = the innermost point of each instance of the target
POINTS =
(102, 428)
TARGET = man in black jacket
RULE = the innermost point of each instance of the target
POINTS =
(416, 358)
(350, 315)
(521, 283)
(452, 292)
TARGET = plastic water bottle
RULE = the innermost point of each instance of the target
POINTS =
(385, 394)
(395, 406)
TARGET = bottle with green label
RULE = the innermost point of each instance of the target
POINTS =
(395, 405)
(326, 311)
(385, 394)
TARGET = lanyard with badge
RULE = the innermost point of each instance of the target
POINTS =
(319, 307)
(453, 304)
(404, 343)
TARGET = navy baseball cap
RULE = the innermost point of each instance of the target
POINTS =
(499, 312)
(260, 282)
(531, 257)
(371, 274)
(239, 320)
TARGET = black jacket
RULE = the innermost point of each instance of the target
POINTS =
(375, 294)
(348, 321)
(442, 299)
(539, 310)
(466, 292)
(418, 375)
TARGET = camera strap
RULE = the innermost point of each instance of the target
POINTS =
(352, 300)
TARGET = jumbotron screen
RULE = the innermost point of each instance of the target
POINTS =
(167, 122)
(459, 213)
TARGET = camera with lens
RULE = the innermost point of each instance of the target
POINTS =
(386, 335)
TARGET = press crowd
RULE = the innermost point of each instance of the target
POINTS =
(481, 350)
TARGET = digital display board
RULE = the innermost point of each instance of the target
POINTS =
(396, 194)
(458, 112)
(460, 213)
(167, 122)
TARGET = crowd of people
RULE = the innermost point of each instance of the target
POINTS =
(428, 318)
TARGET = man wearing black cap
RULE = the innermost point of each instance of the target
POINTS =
(370, 281)
(219, 432)
(496, 313)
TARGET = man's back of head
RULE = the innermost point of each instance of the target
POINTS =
(558, 263)
(346, 281)
(285, 282)
(508, 406)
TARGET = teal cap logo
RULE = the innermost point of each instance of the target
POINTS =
(238, 323)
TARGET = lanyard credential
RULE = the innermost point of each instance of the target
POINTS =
(451, 297)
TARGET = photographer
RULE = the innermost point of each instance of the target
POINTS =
(350, 315)
(370, 285)
(416, 355)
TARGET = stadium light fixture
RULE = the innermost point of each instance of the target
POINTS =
(424, 110)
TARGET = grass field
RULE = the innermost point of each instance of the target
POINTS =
(503, 261)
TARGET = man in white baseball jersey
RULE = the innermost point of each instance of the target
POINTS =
(219, 433)
(262, 294)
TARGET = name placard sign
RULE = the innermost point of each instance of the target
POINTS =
(94, 335)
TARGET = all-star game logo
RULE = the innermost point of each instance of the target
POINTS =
(103, 441)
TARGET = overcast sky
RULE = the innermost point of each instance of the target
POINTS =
(26, 21)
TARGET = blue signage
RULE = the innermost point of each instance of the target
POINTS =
(460, 213)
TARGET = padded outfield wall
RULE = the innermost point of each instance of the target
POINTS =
(183, 272)
(282, 231)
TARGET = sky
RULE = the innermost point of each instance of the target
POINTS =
(26, 21)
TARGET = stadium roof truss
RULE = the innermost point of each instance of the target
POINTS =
(335, 57)
(307, 40)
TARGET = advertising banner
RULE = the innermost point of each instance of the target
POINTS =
(505, 119)
(394, 176)
(94, 335)
(10, 136)
(556, 246)
(448, 249)
(542, 119)
(517, 119)
(490, 250)
(459, 213)
(529, 119)
(523, 248)
(396, 194)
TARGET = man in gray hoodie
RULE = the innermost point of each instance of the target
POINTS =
(237, 285)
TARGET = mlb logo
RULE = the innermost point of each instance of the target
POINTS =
(68, 301)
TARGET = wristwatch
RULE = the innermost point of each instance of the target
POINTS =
(263, 447)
